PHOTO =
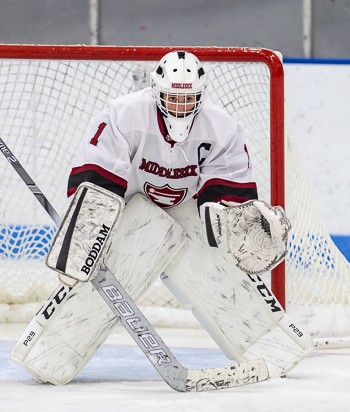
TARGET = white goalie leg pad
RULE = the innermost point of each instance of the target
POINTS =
(236, 309)
(74, 322)
(64, 334)
(282, 347)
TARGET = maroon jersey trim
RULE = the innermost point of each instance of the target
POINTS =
(98, 175)
(215, 190)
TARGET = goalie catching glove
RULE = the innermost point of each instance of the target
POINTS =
(254, 232)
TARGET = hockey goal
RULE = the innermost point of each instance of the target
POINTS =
(49, 93)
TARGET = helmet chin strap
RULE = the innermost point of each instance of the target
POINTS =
(178, 127)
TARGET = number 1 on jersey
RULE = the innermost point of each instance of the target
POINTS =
(100, 128)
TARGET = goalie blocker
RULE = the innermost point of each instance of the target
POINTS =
(80, 243)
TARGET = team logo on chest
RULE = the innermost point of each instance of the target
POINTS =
(164, 196)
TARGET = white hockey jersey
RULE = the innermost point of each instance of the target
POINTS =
(128, 151)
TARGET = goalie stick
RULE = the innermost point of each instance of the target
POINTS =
(174, 374)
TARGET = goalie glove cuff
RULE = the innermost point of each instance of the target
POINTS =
(214, 224)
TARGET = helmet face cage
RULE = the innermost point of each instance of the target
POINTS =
(178, 84)
(178, 104)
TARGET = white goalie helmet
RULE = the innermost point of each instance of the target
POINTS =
(178, 83)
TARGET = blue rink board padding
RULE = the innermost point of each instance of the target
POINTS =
(113, 363)
(33, 241)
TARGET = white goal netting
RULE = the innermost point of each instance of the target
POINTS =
(45, 107)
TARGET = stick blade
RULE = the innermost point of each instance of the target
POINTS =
(232, 376)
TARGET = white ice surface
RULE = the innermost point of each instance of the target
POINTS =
(120, 378)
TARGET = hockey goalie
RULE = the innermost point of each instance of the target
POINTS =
(192, 217)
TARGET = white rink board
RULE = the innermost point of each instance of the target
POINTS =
(317, 108)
